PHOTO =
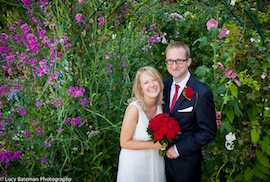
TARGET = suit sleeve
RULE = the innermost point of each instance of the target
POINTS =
(205, 118)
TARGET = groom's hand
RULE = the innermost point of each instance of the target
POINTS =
(171, 153)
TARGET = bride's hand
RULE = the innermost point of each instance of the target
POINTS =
(157, 145)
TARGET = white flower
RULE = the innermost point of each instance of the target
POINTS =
(233, 2)
(229, 145)
(113, 36)
(164, 41)
(230, 137)
(176, 15)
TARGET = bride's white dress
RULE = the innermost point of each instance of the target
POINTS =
(141, 165)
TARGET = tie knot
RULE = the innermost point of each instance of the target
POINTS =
(177, 87)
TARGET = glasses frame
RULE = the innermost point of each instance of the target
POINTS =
(177, 61)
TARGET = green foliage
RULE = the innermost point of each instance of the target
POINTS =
(103, 59)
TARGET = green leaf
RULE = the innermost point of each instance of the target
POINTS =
(255, 135)
(262, 168)
(226, 125)
(262, 159)
(203, 41)
(248, 174)
(201, 71)
(259, 174)
(265, 144)
(253, 112)
(234, 90)
(230, 115)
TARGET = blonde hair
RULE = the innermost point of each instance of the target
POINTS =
(179, 45)
(136, 89)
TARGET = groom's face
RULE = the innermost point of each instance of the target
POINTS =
(178, 69)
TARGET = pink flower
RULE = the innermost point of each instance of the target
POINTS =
(51, 79)
(38, 104)
(230, 73)
(238, 83)
(218, 115)
(223, 33)
(78, 18)
(212, 23)
(218, 122)
(75, 91)
(68, 45)
(220, 65)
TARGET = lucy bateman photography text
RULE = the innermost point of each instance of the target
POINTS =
(45, 179)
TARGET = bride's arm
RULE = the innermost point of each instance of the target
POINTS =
(128, 130)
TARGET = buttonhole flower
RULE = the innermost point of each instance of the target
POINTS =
(188, 93)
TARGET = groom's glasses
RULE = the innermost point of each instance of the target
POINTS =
(177, 61)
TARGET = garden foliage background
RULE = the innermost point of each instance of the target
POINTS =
(67, 68)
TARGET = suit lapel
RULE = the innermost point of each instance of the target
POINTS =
(181, 98)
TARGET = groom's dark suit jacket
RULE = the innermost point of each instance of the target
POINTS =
(197, 120)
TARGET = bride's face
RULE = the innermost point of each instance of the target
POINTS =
(150, 86)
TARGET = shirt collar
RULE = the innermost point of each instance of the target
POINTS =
(183, 83)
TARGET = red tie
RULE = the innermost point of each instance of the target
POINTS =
(175, 96)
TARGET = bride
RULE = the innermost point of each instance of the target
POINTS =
(139, 159)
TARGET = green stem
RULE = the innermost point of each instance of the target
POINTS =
(215, 58)
(220, 170)
(223, 103)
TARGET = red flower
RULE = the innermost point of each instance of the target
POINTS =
(163, 128)
(188, 93)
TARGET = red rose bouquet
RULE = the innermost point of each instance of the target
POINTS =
(164, 129)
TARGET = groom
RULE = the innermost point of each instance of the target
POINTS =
(191, 104)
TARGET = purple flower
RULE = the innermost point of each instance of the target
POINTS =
(68, 45)
(101, 21)
(152, 27)
(75, 91)
(26, 132)
(51, 79)
(143, 31)
(223, 33)
(40, 131)
(212, 23)
(27, 3)
(85, 102)
(78, 18)
(108, 71)
(47, 144)
(45, 158)
(34, 123)
(154, 39)
(109, 65)
(15, 156)
(68, 119)
(38, 104)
